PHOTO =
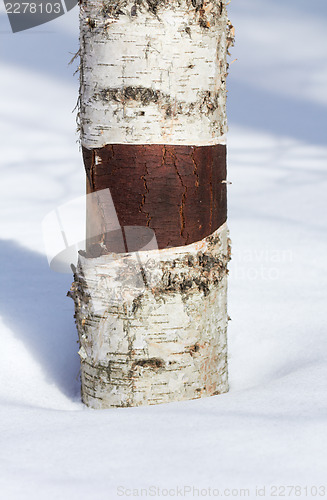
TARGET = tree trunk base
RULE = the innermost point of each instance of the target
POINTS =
(152, 325)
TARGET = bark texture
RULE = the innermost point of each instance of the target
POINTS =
(153, 325)
(153, 72)
(152, 114)
(178, 191)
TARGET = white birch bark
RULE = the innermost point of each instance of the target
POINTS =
(153, 72)
(153, 324)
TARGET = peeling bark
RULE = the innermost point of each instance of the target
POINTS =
(156, 341)
(178, 191)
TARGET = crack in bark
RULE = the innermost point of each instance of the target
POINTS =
(100, 207)
(211, 201)
(152, 363)
(182, 205)
(147, 214)
(195, 171)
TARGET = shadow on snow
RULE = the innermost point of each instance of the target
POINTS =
(34, 305)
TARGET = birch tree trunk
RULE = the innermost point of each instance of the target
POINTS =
(152, 323)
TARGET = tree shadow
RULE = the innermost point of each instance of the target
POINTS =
(46, 50)
(318, 7)
(284, 116)
(33, 303)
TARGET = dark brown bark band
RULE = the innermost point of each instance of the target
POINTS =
(178, 191)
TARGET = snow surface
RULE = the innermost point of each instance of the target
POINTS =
(271, 428)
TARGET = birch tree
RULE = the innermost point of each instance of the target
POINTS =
(152, 323)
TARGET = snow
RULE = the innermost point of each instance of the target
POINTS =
(271, 428)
